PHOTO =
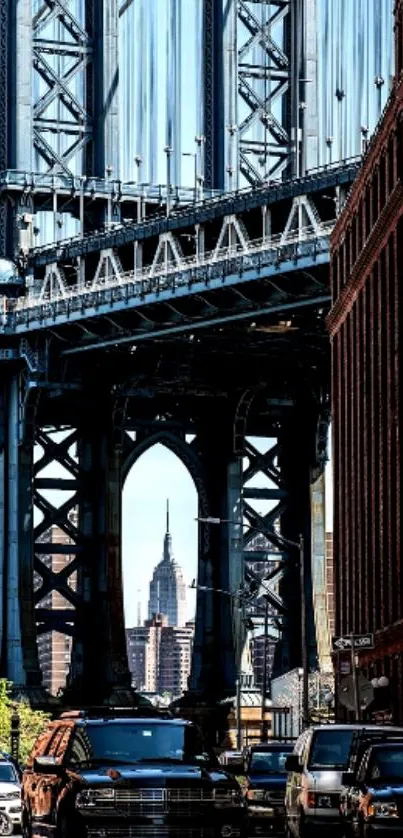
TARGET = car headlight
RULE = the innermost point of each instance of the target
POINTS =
(379, 809)
(11, 795)
(93, 797)
(256, 794)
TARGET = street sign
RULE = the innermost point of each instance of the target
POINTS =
(346, 693)
(361, 641)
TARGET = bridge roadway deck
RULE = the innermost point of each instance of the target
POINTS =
(270, 277)
(315, 181)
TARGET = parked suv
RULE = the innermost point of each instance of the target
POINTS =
(92, 776)
(321, 755)
(265, 786)
(10, 797)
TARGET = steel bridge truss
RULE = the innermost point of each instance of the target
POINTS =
(228, 469)
(265, 145)
(63, 54)
(174, 277)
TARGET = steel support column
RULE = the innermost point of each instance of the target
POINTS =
(99, 668)
(296, 440)
(15, 110)
(19, 658)
(215, 653)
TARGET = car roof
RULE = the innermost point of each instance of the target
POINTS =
(355, 727)
(389, 746)
(273, 746)
(153, 720)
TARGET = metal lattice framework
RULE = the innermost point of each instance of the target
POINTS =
(260, 546)
(62, 61)
(57, 534)
(264, 85)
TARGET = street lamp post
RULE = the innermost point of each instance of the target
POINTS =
(200, 141)
(264, 684)
(138, 161)
(168, 151)
(109, 171)
(196, 177)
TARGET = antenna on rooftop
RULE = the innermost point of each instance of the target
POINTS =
(167, 515)
(138, 608)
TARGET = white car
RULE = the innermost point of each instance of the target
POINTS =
(10, 795)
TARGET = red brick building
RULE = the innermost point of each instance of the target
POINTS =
(365, 328)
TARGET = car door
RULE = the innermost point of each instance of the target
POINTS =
(30, 779)
(293, 789)
(301, 785)
(48, 786)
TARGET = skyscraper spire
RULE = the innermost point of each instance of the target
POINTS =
(168, 587)
(168, 556)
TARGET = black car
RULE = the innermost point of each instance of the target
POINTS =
(265, 786)
(95, 777)
(374, 803)
(362, 740)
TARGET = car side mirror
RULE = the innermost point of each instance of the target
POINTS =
(48, 765)
(292, 763)
(347, 778)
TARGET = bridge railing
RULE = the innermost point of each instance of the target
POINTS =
(169, 267)
(312, 176)
(260, 254)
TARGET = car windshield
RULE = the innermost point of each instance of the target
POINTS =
(268, 762)
(330, 749)
(387, 764)
(139, 742)
(7, 773)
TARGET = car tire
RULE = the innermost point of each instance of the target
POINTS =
(303, 831)
(26, 828)
(6, 825)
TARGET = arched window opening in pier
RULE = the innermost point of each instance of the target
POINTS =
(160, 508)
(55, 525)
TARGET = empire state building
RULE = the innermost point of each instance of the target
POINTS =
(168, 587)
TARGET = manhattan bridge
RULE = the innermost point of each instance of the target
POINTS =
(170, 174)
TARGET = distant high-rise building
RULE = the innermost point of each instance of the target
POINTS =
(160, 656)
(143, 652)
(168, 587)
(175, 659)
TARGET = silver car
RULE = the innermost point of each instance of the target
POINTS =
(314, 779)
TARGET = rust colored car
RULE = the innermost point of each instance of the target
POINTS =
(128, 777)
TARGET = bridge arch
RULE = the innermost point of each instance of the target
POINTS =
(186, 452)
(178, 446)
